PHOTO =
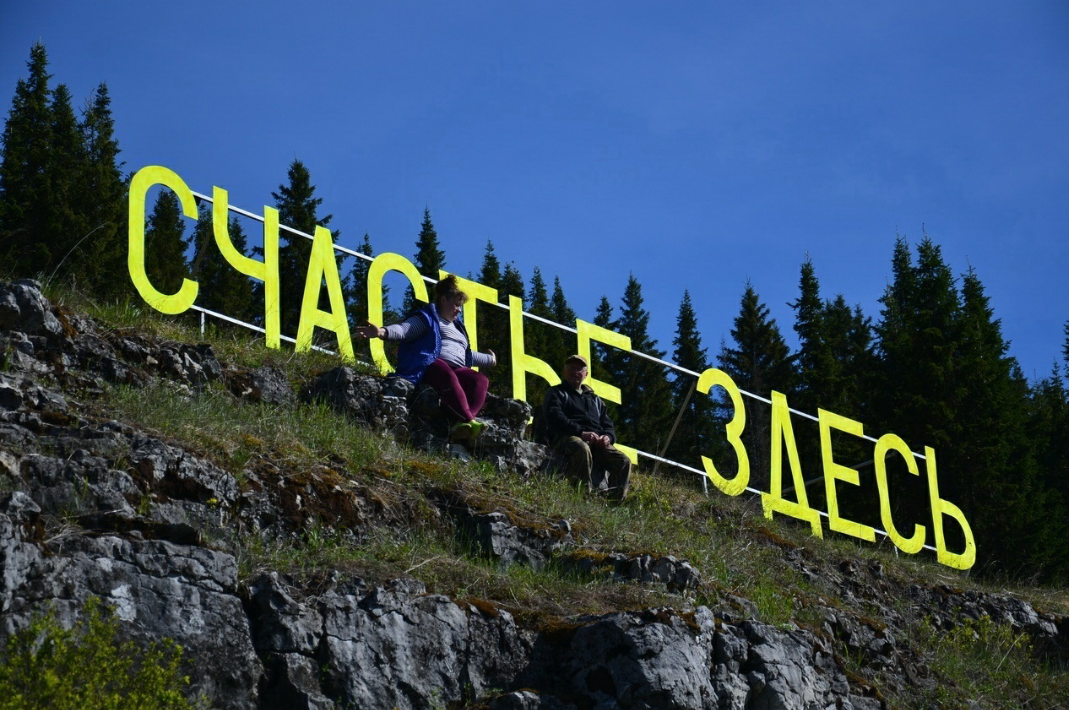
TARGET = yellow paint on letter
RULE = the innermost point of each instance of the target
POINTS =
(587, 332)
(383, 263)
(886, 443)
(733, 487)
(266, 270)
(940, 507)
(322, 265)
(522, 363)
(837, 472)
(774, 502)
(145, 178)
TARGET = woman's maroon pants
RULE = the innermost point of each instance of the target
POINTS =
(462, 389)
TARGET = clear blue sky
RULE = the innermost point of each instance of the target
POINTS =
(696, 145)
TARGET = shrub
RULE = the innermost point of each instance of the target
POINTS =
(87, 667)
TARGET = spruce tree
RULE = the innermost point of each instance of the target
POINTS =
(695, 434)
(297, 208)
(63, 224)
(102, 200)
(490, 273)
(354, 289)
(538, 336)
(429, 256)
(759, 362)
(918, 395)
(561, 343)
(165, 262)
(223, 289)
(602, 357)
(989, 469)
(25, 172)
(645, 414)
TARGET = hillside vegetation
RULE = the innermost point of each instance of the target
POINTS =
(356, 503)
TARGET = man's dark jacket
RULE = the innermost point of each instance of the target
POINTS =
(569, 413)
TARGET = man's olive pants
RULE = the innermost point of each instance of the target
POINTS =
(603, 469)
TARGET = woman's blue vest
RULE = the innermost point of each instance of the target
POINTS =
(413, 356)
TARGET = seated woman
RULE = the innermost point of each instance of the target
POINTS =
(434, 347)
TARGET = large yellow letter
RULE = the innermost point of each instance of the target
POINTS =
(145, 178)
(322, 265)
(522, 363)
(774, 502)
(718, 378)
(587, 332)
(384, 262)
(837, 472)
(940, 507)
(476, 292)
(893, 442)
(266, 271)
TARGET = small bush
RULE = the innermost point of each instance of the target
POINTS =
(86, 667)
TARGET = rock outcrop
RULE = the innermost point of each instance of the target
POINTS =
(92, 507)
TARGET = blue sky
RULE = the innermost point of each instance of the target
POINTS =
(696, 145)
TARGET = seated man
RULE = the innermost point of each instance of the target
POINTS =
(582, 435)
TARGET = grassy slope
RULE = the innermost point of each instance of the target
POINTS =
(400, 531)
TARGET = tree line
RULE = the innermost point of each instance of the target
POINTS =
(933, 367)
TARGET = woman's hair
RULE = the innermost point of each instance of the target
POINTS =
(448, 288)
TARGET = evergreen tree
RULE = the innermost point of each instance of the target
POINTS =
(354, 289)
(25, 172)
(429, 257)
(490, 273)
(645, 414)
(758, 363)
(297, 208)
(989, 469)
(918, 394)
(102, 204)
(165, 262)
(1048, 426)
(561, 344)
(603, 358)
(695, 434)
(223, 289)
(63, 225)
(538, 336)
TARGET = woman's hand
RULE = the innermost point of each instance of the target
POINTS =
(370, 331)
(493, 357)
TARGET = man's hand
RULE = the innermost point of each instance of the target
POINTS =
(600, 440)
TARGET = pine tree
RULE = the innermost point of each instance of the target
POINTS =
(490, 273)
(429, 256)
(297, 208)
(25, 172)
(354, 289)
(165, 262)
(603, 358)
(989, 470)
(223, 289)
(560, 344)
(695, 434)
(758, 363)
(917, 393)
(538, 336)
(102, 200)
(63, 225)
(645, 414)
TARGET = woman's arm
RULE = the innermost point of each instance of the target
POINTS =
(408, 329)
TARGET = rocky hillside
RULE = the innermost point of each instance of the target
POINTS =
(310, 538)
